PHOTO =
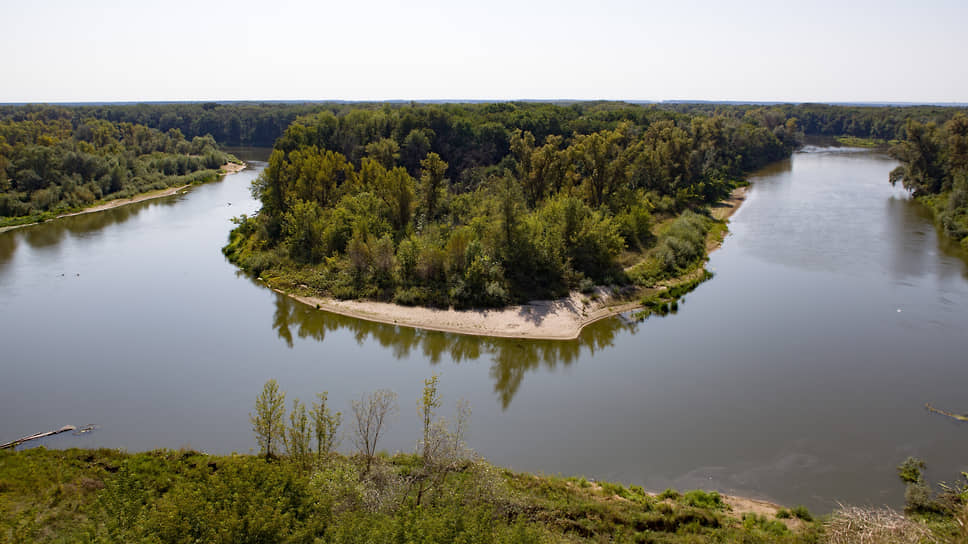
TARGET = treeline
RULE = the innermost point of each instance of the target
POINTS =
(934, 166)
(260, 124)
(252, 124)
(885, 123)
(50, 166)
(483, 205)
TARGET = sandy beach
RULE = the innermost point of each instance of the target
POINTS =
(226, 169)
(561, 319)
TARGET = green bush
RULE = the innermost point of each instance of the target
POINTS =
(702, 499)
(801, 512)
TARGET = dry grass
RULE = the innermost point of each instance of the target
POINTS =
(855, 525)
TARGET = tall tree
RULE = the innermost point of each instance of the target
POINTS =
(267, 422)
(432, 182)
(370, 414)
(325, 425)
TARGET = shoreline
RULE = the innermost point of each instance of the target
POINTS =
(559, 319)
(226, 169)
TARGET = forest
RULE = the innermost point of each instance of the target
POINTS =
(934, 167)
(50, 165)
(488, 204)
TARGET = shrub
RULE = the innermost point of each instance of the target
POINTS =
(910, 470)
(702, 499)
(669, 494)
(801, 512)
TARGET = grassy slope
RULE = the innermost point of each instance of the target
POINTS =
(103, 495)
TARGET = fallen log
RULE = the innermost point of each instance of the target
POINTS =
(19, 441)
(959, 417)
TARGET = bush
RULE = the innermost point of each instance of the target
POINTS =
(801, 512)
(910, 470)
(669, 494)
(701, 499)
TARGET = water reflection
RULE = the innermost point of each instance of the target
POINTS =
(52, 233)
(511, 358)
(918, 249)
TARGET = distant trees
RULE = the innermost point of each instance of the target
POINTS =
(934, 166)
(481, 205)
(47, 167)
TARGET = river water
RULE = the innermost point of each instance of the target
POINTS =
(798, 374)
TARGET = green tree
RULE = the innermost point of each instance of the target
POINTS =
(385, 151)
(297, 437)
(267, 422)
(325, 425)
(432, 182)
(920, 170)
(428, 402)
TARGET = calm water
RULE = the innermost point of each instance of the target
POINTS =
(798, 374)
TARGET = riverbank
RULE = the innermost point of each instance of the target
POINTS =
(226, 169)
(70, 495)
(560, 319)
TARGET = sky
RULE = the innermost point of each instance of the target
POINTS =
(823, 51)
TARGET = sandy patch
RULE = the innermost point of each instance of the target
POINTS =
(723, 210)
(742, 505)
(561, 319)
(116, 203)
(232, 168)
(227, 168)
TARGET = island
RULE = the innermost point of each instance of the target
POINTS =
(494, 220)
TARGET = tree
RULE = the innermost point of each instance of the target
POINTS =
(325, 425)
(396, 189)
(371, 413)
(385, 151)
(432, 182)
(442, 450)
(429, 400)
(297, 436)
(267, 423)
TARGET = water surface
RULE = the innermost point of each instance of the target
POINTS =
(798, 374)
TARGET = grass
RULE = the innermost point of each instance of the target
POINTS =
(106, 495)
(854, 141)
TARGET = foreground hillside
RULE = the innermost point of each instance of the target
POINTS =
(186, 496)
(441, 493)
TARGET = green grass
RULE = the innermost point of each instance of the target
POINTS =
(186, 496)
(854, 141)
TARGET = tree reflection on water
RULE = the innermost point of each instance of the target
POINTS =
(512, 358)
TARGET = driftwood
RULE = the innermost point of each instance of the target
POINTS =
(959, 417)
(17, 442)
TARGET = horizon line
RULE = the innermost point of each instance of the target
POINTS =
(882, 103)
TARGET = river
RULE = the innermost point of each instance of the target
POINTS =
(798, 374)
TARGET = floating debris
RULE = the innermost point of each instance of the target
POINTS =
(959, 417)
(86, 429)
(28, 438)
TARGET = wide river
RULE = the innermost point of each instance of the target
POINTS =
(798, 374)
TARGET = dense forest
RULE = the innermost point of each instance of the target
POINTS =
(261, 123)
(488, 204)
(934, 166)
(229, 124)
(50, 165)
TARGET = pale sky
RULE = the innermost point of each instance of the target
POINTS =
(99, 50)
